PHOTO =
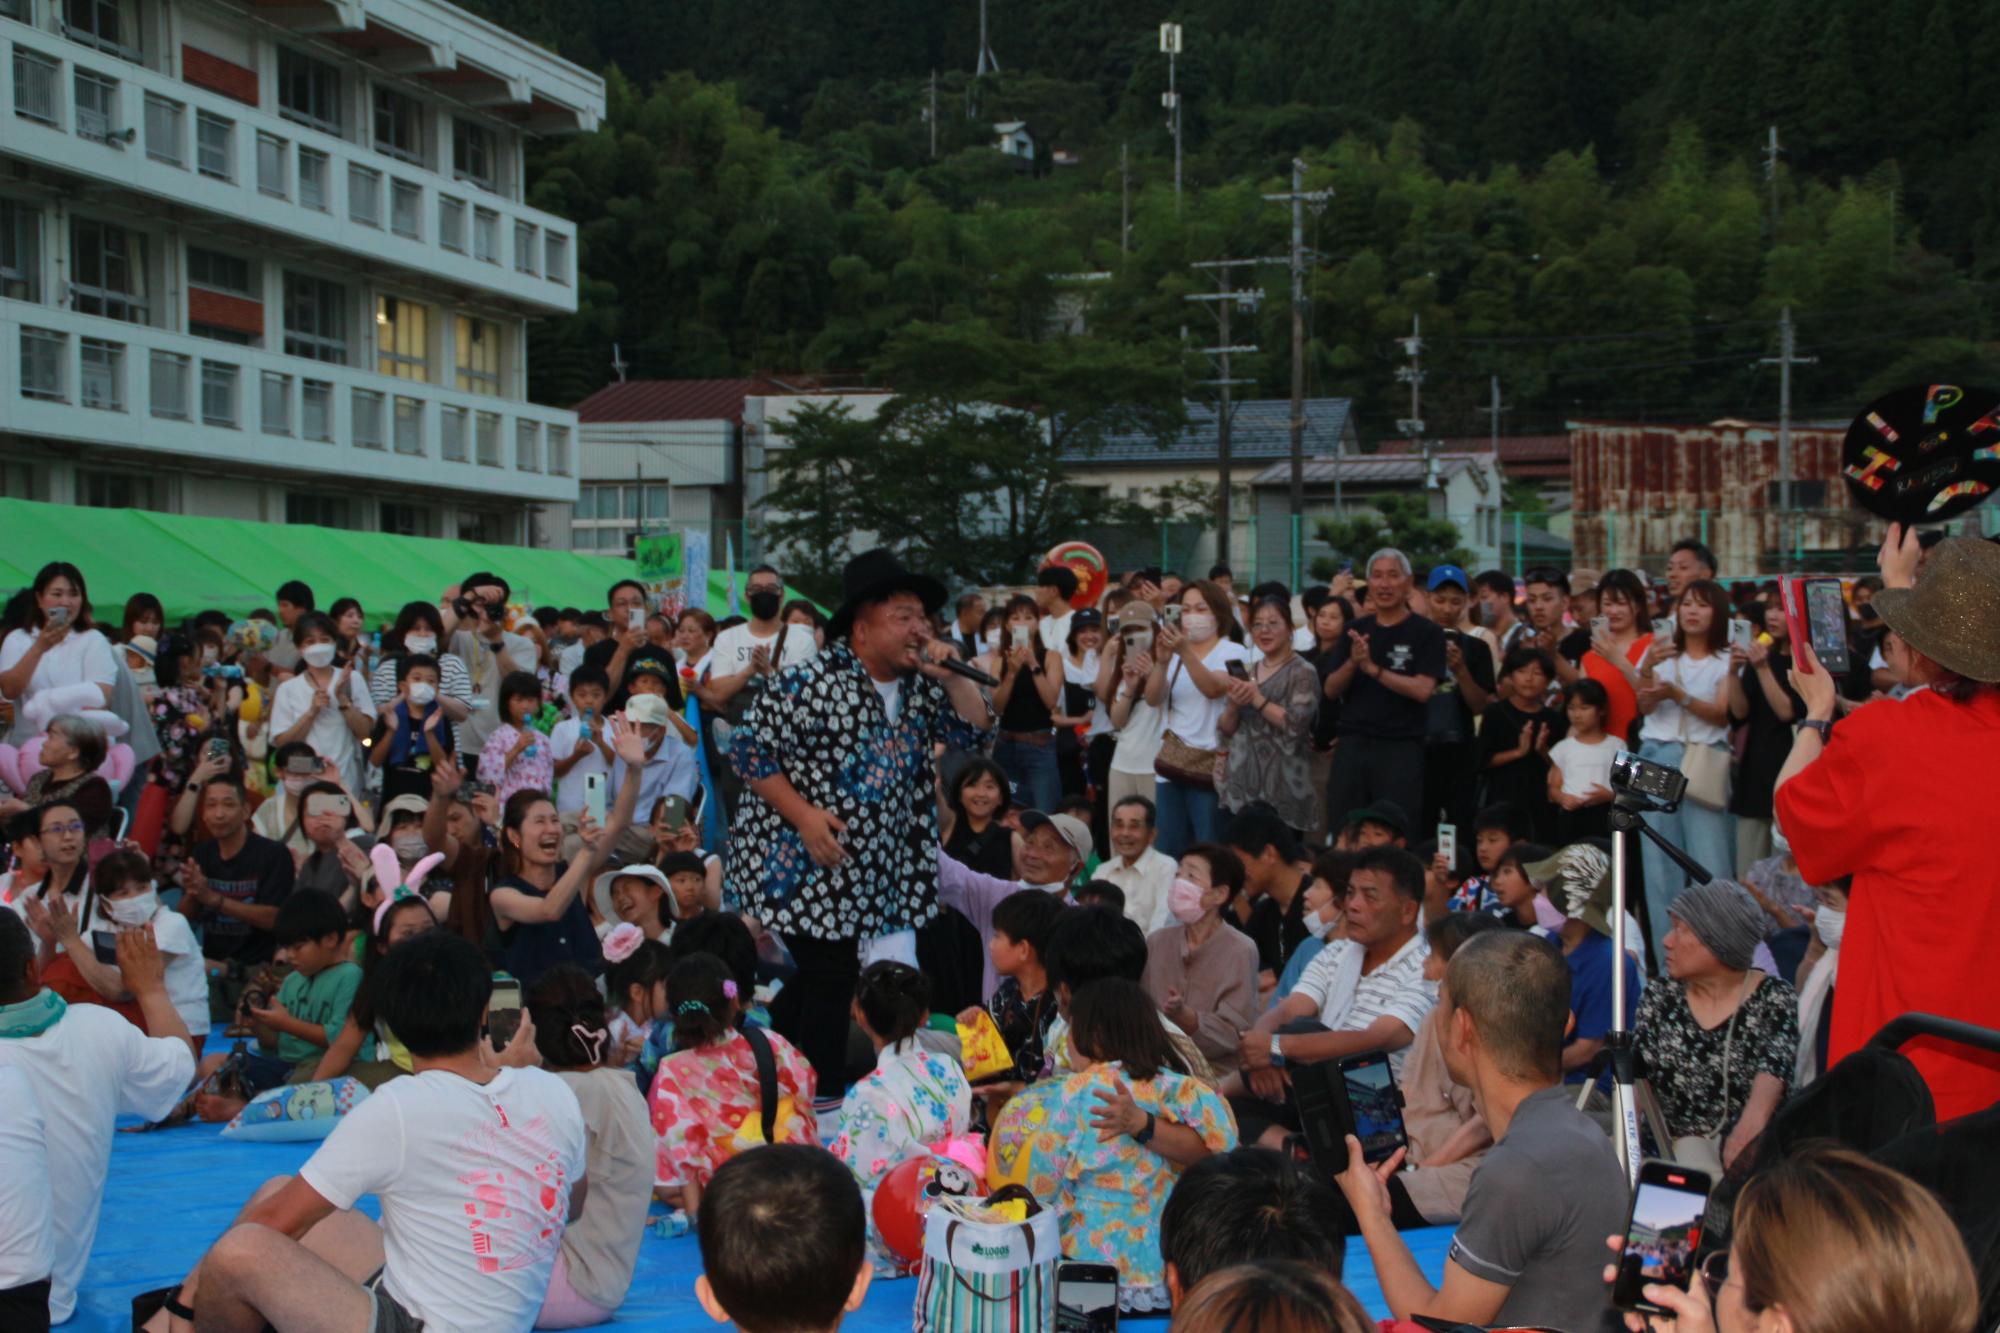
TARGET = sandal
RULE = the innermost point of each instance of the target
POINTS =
(149, 1303)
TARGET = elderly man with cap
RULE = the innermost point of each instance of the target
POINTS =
(1054, 586)
(1899, 795)
(1718, 1036)
(1577, 880)
(1049, 854)
(669, 768)
(836, 840)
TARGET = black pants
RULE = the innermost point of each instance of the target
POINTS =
(1367, 769)
(811, 1011)
(25, 1309)
(1451, 776)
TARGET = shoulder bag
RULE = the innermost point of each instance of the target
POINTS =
(1177, 761)
(1706, 767)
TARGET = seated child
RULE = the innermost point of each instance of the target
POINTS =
(637, 895)
(1516, 899)
(415, 736)
(600, 1249)
(1100, 893)
(635, 982)
(708, 1097)
(1022, 1006)
(912, 1101)
(122, 896)
(1494, 829)
(394, 921)
(728, 937)
(785, 1245)
(677, 828)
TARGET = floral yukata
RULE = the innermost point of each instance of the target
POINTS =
(701, 1097)
(912, 1102)
(823, 725)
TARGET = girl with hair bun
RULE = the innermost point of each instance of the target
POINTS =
(708, 1097)
(910, 1103)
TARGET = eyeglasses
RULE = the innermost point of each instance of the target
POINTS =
(74, 826)
(1714, 1273)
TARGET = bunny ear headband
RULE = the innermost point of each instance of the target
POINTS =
(389, 875)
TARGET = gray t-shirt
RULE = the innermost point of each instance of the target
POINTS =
(1538, 1212)
(601, 1248)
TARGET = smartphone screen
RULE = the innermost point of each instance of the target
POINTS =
(1448, 843)
(1377, 1109)
(1664, 1235)
(593, 796)
(1663, 628)
(503, 1010)
(636, 618)
(1238, 670)
(1741, 635)
(1826, 621)
(1086, 1298)
(1022, 636)
(1600, 625)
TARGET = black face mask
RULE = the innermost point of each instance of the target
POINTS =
(764, 605)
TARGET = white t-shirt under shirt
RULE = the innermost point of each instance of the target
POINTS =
(1190, 714)
(1702, 678)
(1584, 766)
(88, 1069)
(27, 1240)
(474, 1182)
(731, 654)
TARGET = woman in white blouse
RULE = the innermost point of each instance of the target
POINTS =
(1684, 699)
(59, 662)
(1188, 682)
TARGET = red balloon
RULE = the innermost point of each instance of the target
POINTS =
(900, 1206)
(1087, 563)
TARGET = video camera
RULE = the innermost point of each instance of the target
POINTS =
(1645, 784)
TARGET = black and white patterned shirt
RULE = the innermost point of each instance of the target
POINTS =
(1684, 1059)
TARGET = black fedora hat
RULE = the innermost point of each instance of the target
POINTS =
(874, 575)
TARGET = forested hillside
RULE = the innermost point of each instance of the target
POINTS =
(1570, 193)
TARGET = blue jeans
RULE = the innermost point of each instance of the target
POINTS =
(1186, 815)
(1709, 836)
(1032, 770)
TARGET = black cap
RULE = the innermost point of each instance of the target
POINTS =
(651, 666)
(1382, 812)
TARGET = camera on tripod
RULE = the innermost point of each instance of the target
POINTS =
(1647, 785)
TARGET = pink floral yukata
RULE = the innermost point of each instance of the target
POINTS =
(701, 1097)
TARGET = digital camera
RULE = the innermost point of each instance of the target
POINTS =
(1654, 786)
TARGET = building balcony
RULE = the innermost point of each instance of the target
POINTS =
(130, 387)
(164, 144)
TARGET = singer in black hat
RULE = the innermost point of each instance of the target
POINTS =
(835, 845)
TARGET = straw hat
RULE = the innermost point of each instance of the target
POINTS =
(1952, 616)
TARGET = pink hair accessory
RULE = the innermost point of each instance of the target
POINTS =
(390, 879)
(623, 941)
(729, 989)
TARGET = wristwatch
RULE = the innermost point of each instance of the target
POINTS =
(1277, 1052)
(1145, 1136)
(1823, 725)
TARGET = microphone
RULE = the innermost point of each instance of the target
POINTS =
(969, 671)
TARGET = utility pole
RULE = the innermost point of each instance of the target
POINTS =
(1772, 151)
(1300, 199)
(1226, 299)
(931, 114)
(1170, 46)
(618, 362)
(1786, 358)
(1412, 374)
(1494, 408)
(988, 62)
(1124, 199)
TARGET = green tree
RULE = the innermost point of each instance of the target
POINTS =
(1401, 521)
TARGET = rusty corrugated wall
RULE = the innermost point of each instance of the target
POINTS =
(1639, 489)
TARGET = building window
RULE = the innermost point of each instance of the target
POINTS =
(315, 318)
(219, 272)
(399, 125)
(404, 520)
(556, 267)
(528, 445)
(164, 121)
(453, 422)
(20, 251)
(319, 511)
(316, 410)
(478, 357)
(408, 425)
(402, 338)
(309, 91)
(113, 490)
(313, 169)
(527, 248)
(559, 451)
(107, 271)
(277, 405)
(364, 195)
(101, 381)
(98, 23)
(43, 353)
(486, 428)
(217, 333)
(169, 391)
(473, 155)
(367, 419)
(218, 393)
(451, 223)
(406, 202)
(96, 106)
(486, 235)
(214, 146)
(273, 159)
(35, 86)
(604, 514)
(16, 9)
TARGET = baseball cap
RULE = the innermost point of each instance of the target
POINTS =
(409, 803)
(1386, 813)
(1070, 829)
(1136, 613)
(1443, 574)
(650, 666)
(646, 710)
(1578, 881)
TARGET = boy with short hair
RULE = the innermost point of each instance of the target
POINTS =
(1495, 829)
(687, 877)
(578, 742)
(311, 1006)
(791, 1254)
(1022, 1006)
(1100, 893)
(412, 735)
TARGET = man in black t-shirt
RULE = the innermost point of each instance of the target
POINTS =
(232, 886)
(1384, 676)
(1276, 874)
(1546, 602)
(1451, 747)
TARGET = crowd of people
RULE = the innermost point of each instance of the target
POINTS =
(764, 884)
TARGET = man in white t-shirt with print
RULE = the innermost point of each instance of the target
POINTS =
(478, 1169)
(761, 646)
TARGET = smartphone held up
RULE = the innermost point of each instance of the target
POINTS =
(1663, 1238)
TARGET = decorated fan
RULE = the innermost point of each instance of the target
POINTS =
(1083, 560)
(1925, 452)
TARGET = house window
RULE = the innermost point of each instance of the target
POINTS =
(406, 203)
(309, 91)
(451, 223)
(313, 168)
(20, 251)
(113, 490)
(98, 23)
(96, 106)
(320, 511)
(107, 271)
(170, 385)
(101, 383)
(527, 248)
(478, 357)
(219, 272)
(402, 338)
(43, 354)
(473, 157)
(35, 86)
(316, 410)
(486, 235)
(272, 163)
(364, 195)
(556, 266)
(277, 405)
(367, 419)
(214, 148)
(315, 318)
(398, 125)
(164, 141)
(218, 393)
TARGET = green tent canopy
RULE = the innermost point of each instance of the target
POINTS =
(194, 564)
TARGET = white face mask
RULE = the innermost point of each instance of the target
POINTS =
(134, 911)
(1829, 923)
(143, 676)
(295, 785)
(422, 644)
(317, 654)
(1198, 625)
(410, 847)
(423, 693)
(989, 642)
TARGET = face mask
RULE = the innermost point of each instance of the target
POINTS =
(1829, 924)
(423, 693)
(989, 642)
(317, 654)
(1184, 901)
(1198, 625)
(410, 847)
(764, 605)
(421, 644)
(134, 911)
(143, 676)
(295, 785)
